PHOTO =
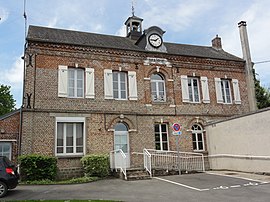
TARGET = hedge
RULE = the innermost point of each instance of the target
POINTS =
(37, 167)
(96, 165)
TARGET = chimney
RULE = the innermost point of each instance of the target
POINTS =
(216, 43)
(248, 65)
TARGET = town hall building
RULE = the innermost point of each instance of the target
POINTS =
(89, 93)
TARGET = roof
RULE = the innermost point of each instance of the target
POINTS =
(9, 114)
(61, 36)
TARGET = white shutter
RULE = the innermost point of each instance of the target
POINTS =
(108, 84)
(184, 86)
(62, 81)
(89, 83)
(218, 90)
(132, 85)
(236, 91)
(205, 90)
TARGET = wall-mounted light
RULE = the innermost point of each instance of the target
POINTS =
(2, 131)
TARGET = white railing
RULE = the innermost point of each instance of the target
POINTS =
(147, 161)
(118, 160)
(173, 160)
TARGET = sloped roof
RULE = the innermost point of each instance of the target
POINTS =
(9, 114)
(61, 36)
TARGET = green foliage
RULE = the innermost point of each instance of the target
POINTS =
(37, 167)
(96, 165)
(7, 103)
(69, 181)
(262, 95)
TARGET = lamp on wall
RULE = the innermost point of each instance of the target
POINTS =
(2, 130)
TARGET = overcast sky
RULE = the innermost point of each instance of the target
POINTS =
(185, 21)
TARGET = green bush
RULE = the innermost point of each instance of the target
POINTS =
(96, 165)
(37, 167)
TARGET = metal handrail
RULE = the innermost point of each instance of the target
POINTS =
(122, 164)
(147, 161)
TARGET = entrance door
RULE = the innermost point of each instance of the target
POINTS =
(121, 141)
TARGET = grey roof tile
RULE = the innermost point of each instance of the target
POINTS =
(61, 36)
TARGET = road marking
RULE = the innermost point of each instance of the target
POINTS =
(244, 178)
(235, 186)
(182, 185)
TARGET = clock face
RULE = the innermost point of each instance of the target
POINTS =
(155, 40)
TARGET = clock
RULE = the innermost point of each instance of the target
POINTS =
(155, 40)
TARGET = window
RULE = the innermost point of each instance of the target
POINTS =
(157, 88)
(197, 138)
(121, 137)
(5, 149)
(70, 136)
(119, 85)
(193, 89)
(161, 137)
(226, 91)
(75, 82)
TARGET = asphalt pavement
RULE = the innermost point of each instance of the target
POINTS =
(219, 186)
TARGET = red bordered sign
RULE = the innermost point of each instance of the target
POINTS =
(176, 127)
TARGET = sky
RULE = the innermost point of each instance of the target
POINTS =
(194, 22)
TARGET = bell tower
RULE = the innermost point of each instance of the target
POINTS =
(134, 26)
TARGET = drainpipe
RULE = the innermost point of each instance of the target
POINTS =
(248, 66)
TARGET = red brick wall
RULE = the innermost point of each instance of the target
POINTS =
(42, 78)
(11, 126)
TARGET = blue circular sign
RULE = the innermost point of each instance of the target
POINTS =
(176, 127)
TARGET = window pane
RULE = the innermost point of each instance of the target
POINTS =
(199, 135)
(157, 137)
(163, 128)
(79, 134)
(164, 137)
(60, 134)
(165, 146)
(161, 86)
(117, 139)
(158, 146)
(194, 146)
(156, 77)
(69, 134)
(200, 144)
(79, 149)
(124, 148)
(69, 149)
(60, 150)
(156, 128)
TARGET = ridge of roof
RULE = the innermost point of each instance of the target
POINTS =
(72, 37)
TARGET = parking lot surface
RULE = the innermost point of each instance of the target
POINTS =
(191, 187)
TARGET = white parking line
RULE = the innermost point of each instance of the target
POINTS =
(244, 178)
(182, 185)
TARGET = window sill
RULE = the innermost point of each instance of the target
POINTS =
(69, 156)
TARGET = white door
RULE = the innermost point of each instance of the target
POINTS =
(121, 141)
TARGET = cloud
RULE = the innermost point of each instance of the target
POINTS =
(121, 31)
(257, 17)
(3, 15)
(178, 17)
(14, 75)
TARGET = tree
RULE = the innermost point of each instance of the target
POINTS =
(7, 103)
(262, 95)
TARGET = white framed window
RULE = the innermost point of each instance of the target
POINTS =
(193, 89)
(197, 138)
(158, 88)
(5, 149)
(70, 136)
(119, 85)
(226, 91)
(75, 82)
(161, 137)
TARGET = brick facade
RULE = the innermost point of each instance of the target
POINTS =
(101, 115)
(9, 132)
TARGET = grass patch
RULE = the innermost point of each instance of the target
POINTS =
(63, 201)
(70, 181)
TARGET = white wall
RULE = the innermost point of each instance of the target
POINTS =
(241, 144)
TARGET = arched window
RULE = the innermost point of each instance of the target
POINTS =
(158, 88)
(197, 138)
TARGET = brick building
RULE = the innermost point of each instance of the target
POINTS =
(9, 135)
(93, 93)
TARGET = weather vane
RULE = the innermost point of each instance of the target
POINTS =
(132, 7)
